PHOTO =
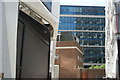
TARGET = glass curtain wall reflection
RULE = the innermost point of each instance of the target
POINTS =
(91, 38)
(82, 23)
(83, 10)
(94, 55)
(89, 28)
(48, 4)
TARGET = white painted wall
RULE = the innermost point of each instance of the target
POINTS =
(9, 37)
(111, 52)
(56, 69)
(0, 37)
(55, 13)
(56, 8)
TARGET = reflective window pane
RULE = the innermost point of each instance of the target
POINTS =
(82, 10)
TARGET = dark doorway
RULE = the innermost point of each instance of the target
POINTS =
(33, 48)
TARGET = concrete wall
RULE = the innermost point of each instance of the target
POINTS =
(56, 8)
(0, 37)
(55, 13)
(111, 51)
(9, 36)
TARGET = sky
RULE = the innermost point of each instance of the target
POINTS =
(83, 2)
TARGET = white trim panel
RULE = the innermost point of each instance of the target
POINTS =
(40, 9)
(73, 47)
(92, 16)
(82, 30)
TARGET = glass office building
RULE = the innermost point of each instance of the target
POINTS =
(48, 4)
(82, 10)
(88, 24)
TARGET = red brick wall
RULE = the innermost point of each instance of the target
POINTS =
(92, 73)
(68, 60)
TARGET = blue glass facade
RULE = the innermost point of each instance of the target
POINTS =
(94, 55)
(48, 4)
(82, 10)
(92, 29)
(91, 38)
(81, 23)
